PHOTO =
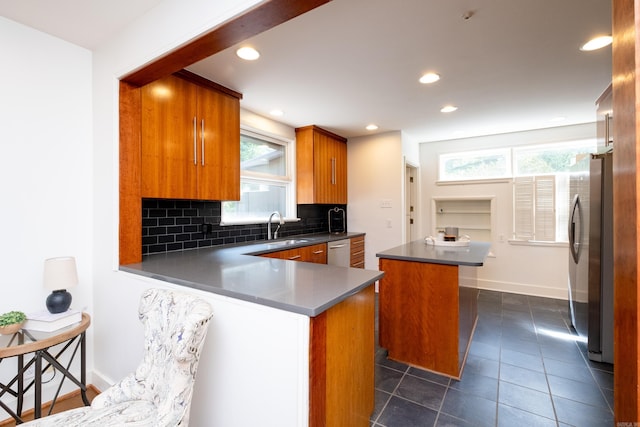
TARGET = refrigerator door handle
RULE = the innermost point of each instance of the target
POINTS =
(574, 244)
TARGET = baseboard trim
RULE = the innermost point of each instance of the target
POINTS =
(28, 414)
(523, 289)
(100, 381)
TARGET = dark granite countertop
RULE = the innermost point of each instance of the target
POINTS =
(419, 251)
(235, 271)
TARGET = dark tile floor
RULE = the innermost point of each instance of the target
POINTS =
(524, 367)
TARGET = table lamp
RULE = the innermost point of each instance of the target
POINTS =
(60, 274)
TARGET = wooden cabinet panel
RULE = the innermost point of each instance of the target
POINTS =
(190, 141)
(321, 163)
(168, 139)
(426, 315)
(357, 252)
(342, 363)
(316, 253)
(219, 171)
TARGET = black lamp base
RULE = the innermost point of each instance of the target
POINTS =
(59, 301)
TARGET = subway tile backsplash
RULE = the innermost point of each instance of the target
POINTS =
(176, 225)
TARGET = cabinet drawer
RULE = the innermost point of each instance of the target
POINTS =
(314, 253)
(357, 252)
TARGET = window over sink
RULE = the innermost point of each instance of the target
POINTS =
(266, 182)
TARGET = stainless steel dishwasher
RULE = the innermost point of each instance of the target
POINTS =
(339, 253)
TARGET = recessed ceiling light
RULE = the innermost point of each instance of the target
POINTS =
(448, 109)
(372, 127)
(597, 43)
(248, 53)
(277, 113)
(429, 78)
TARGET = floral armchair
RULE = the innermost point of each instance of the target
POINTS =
(159, 392)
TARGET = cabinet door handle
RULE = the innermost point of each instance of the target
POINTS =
(333, 171)
(318, 252)
(294, 257)
(202, 140)
(195, 141)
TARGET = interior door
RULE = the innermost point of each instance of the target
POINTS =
(411, 203)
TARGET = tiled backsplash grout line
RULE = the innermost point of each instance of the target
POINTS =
(175, 225)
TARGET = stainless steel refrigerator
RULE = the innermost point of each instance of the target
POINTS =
(591, 254)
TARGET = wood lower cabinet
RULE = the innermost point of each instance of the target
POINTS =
(190, 140)
(321, 165)
(357, 252)
(314, 253)
(427, 314)
(341, 377)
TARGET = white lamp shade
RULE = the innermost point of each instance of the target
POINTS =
(60, 273)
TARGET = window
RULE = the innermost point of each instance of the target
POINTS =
(549, 158)
(540, 176)
(472, 165)
(265, 180)
(541, 189)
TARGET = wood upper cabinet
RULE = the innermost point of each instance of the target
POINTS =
(190, 140)
(313, 253)
(321, 163)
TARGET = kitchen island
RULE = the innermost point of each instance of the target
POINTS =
(294, 341)
(428, 303)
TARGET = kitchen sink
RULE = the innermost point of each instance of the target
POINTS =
(287, 242)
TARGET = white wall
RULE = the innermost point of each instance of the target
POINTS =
(375, 173)
(532, 270)
(45, 166)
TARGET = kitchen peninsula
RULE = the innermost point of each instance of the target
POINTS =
(317, 324)
(428, 303)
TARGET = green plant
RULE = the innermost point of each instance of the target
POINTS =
(12, 317)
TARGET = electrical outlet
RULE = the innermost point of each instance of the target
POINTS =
(385, 203)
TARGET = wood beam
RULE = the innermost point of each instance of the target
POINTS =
(252, 22)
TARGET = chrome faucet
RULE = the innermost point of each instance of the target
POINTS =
(275, 234)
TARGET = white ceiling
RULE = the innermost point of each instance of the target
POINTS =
(86, 23)
(514, 65)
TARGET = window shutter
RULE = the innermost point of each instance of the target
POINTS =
(534, 213)
(545, 209)
(523, 219)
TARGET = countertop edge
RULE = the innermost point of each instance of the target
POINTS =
(471, 255)
(321, 309)
(430, 260)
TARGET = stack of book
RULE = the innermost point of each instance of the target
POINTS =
(48, 322)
